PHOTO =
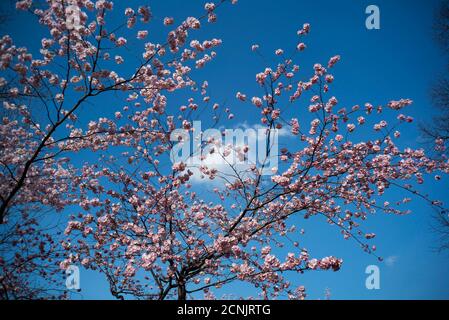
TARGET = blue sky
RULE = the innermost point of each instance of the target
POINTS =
(398, 61)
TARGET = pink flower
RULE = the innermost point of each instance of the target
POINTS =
(193, 23)
(295, 126)
(168, 21)
(24, 4)
(179, 166)
(130, 271)
(145, 12)
(279, 52)
(142, 34)
(361, 120)
(256, 101)
(240, 96)
(120, 42)
(397, 105)
(301, 46)
(333, 61)
(281, 180)
(210, 6)
(305, 29)
(119, 60)
(350, 127)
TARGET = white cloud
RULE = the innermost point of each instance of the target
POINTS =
(249, 135)
(390, 261)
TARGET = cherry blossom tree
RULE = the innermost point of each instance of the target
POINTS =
(29, 256)
(42, 93)
(75, 64)
(157, 229)
(148, 229)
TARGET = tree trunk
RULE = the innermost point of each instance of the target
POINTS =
(182, 290)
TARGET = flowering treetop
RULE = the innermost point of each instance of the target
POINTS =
(139, 219)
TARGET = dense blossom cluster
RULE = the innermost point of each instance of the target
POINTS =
(141, 222)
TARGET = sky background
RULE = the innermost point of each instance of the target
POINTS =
(398, 61)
